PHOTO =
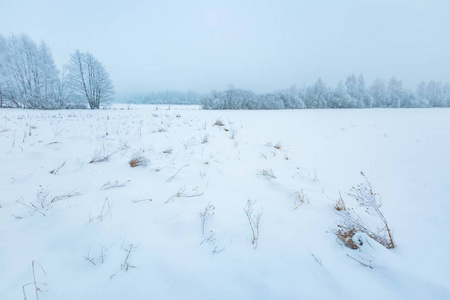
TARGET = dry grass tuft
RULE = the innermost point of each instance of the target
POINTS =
(99, 158)
(299, 198)
(340, 204)
(138, 161)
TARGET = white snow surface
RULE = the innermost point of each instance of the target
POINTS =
(405, 153)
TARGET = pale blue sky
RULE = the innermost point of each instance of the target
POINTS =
(259, 45)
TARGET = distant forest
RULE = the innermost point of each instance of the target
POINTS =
(351, 93)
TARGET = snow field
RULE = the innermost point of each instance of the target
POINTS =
(141, 237)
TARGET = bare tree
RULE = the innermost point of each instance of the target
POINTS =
(89, 79)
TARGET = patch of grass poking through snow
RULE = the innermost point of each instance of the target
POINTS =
(352, 223)
(114, 184)
(138, 160)
(99, 157)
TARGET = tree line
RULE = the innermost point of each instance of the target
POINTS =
(29, 77)
(351, 93)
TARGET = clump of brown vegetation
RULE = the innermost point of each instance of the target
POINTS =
(345, 235)
(138, 161)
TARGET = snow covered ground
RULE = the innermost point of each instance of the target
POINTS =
(104, 230)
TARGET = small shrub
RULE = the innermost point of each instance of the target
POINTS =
(352, 223)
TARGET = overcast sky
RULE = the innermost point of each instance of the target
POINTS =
(259, 45)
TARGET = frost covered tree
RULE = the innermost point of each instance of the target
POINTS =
(340, 99)
(435, 94)
(356, 89)
(28, 75)
(270, 101)
(364, 96)
(291, 99)
(394, 93)
(89, 79)
(378, 91)
(316, 96)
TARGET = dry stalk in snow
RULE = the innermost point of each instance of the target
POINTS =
(267, 174)
(181, 194)
(105, 212)
(55, 171)
(113, 184)
(65, 196)
(253, 218)
(176, 173)
(299, 198)
(206, 214)
(126, 264)
(35, 283)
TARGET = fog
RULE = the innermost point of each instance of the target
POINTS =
(258, 45)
